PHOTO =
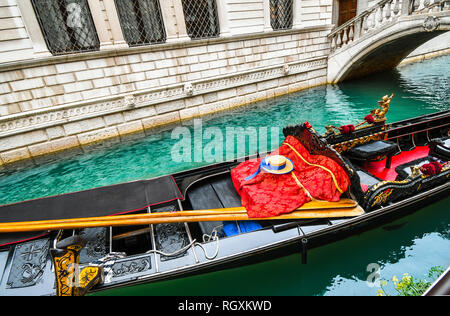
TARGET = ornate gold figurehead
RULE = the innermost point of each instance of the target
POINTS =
(376, 116)
(380, 114)
(70, 281)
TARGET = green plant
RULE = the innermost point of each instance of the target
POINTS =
(408, 286)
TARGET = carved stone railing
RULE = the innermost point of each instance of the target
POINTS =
(428, 6)
(380, 14)
(43, 118)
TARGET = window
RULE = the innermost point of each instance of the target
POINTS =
(141, 21)
(67, 25)
(281, 14)
(201, 18)
(347, 10)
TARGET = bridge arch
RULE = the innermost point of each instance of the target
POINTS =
(385, 47)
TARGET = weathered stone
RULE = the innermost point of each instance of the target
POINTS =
(22, 140)
(114, 119)
(130, 128)
(55, 132)
(140, 113)
(170, 106)
(96, 136)
(159, 120)
(186, 114)
(83, 126)
(15, 155)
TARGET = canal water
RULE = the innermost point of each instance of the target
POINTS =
(412, 244)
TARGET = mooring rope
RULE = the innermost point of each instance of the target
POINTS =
(206, 238)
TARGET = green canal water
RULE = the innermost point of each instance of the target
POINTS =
(412, 244)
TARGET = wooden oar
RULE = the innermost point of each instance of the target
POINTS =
(343, 210)
(313, 205)
(145, 220)
(329, 213)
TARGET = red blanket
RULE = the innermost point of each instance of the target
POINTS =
(268, 195)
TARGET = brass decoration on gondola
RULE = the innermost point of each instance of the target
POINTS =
(344, 146)
(70, 281)
(380, 114)
(382, 197)
(89, 277)
(383, 191)
(331, 129)
(415, 171)
(66, 263)
(377, 116)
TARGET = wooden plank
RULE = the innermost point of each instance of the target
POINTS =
(226, 192)
(204, 197)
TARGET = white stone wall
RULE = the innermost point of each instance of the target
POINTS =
(315, 12)
(246, 16)
(41, 86)
(15, 43)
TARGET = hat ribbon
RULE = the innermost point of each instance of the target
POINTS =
(267, 166)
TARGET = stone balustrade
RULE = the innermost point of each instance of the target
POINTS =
(427, 6)
(380, 14)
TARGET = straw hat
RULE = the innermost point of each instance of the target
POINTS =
(277, 164)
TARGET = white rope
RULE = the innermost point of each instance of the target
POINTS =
(181, 250)
(206, 238)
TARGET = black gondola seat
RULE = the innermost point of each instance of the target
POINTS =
(440, 148)
(374, 150)
(203, 197)
(217, 193)
(367, 179)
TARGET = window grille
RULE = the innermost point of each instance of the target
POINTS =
(141, 21)
(201, 18)
(67, 25)
(281, 14)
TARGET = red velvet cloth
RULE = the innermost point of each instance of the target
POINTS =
(347, 129)
(431, 168)
(268, 195)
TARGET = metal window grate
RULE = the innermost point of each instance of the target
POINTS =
(67, 25)
(141, 21)
(201, 18)
(281, 14)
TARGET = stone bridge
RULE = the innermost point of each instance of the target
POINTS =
(382, 36)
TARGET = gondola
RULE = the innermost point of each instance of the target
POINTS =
(393, 168)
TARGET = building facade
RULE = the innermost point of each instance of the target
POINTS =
(77, 72)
